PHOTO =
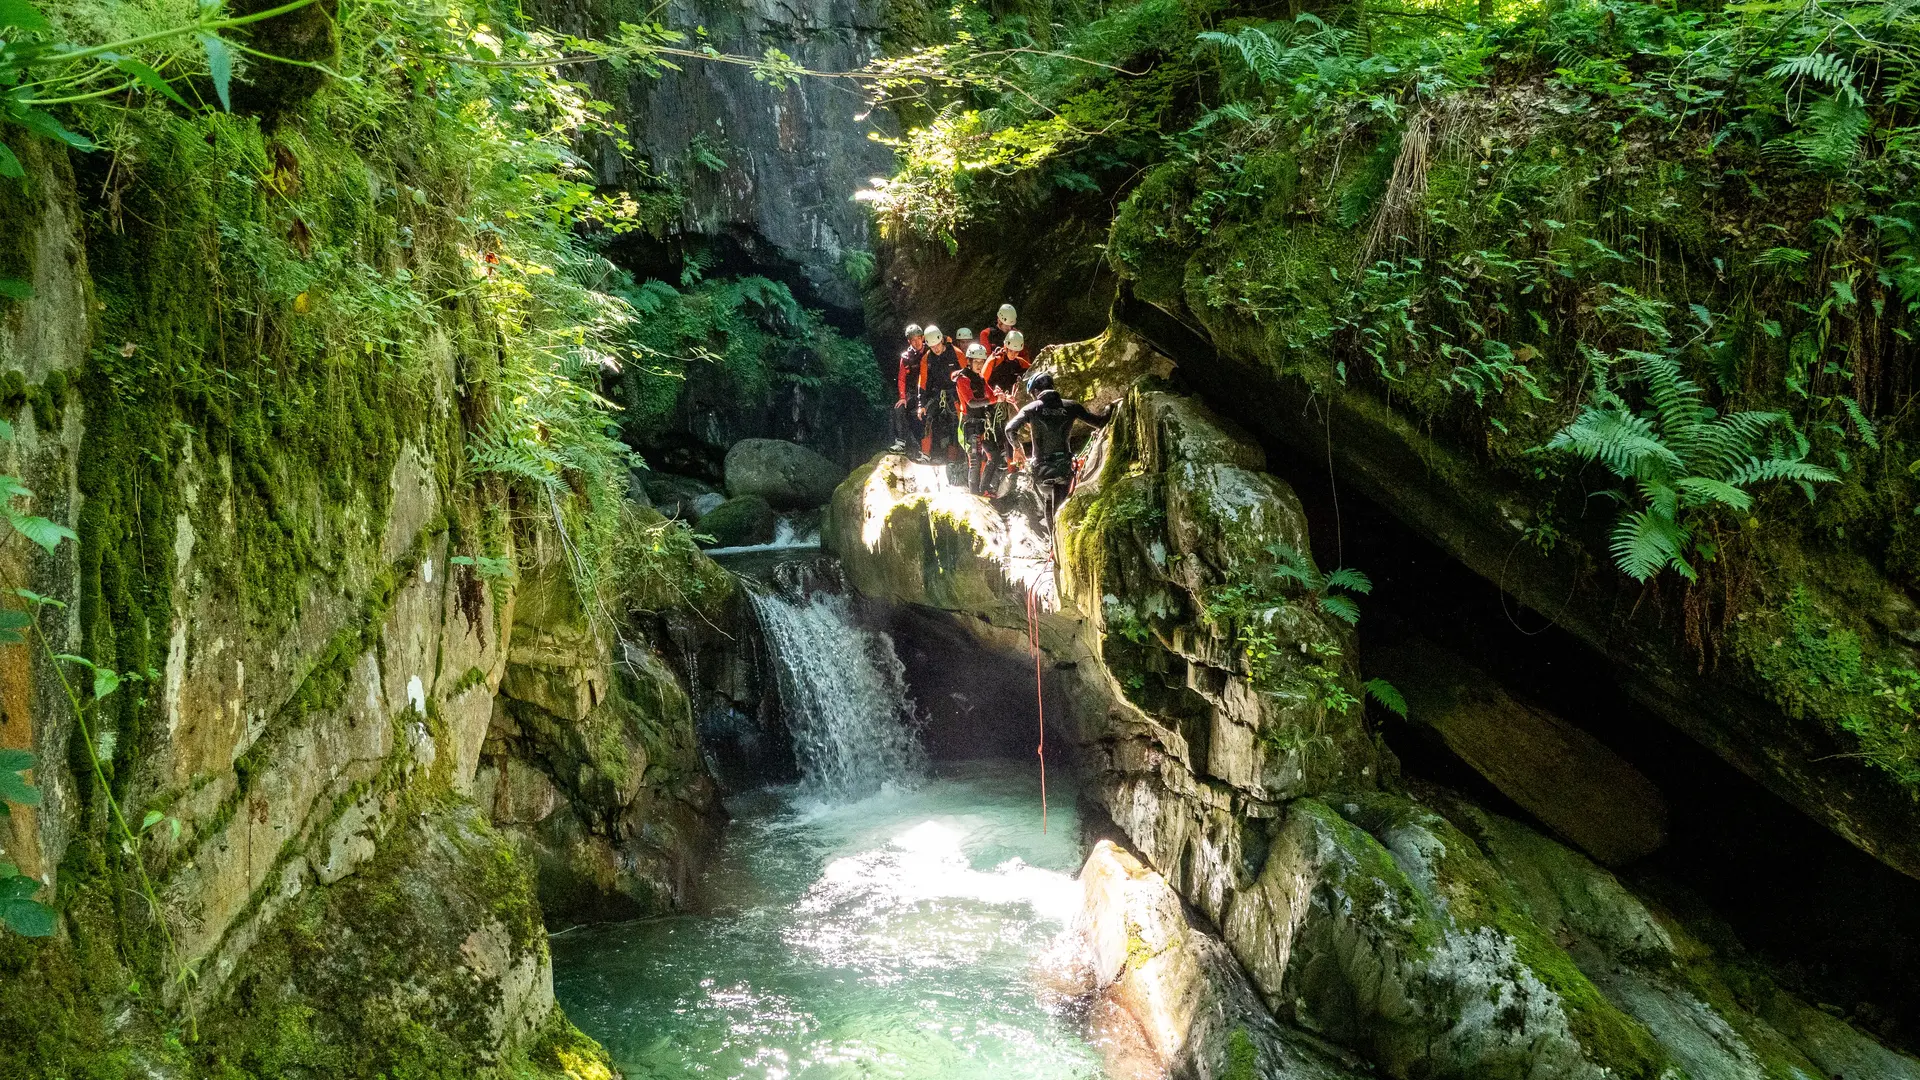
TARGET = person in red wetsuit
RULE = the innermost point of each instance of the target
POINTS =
(976, 417)
(906, 411)
(993, 337)
(1005, 368)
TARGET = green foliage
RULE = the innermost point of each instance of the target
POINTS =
(750, 332)
(19, 911)
(1816, 667)
(1387, 695)
(1682, 457)
(1330, 590)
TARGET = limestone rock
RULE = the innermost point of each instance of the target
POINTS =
(739, 521)
(1557, 772)
(905, 535)
(789, 476)
(1179, 984)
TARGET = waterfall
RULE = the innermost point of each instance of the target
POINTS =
(843, 692)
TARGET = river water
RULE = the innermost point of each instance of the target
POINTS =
(880, 919)
(899, 935)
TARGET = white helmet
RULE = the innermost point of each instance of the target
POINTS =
(913, 330)
(963, 334)
(1016, 340)
(976, 351)
(933, 335)
(1007, 314)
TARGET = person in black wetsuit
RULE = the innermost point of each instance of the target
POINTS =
(939, 421)
(1052, 417)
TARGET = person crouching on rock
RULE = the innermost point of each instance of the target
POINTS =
(976, 418)
(936, 402)
(906, 411)
(1051, 460)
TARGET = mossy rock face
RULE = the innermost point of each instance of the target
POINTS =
(591, 764)
(740, 522)
(431, 961)
(1383, 928)
(787, 475)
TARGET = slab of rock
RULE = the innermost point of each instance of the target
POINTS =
(1196, 1012)
(787, 475)
(1560, 774)
(740, 521)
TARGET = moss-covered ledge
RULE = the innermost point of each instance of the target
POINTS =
(1480, 516)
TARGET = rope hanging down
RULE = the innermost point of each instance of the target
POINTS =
(1039, 697)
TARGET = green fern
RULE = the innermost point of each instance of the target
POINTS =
(1291, 565)
(1682, 456)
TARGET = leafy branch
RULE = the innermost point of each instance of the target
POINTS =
(36, 74)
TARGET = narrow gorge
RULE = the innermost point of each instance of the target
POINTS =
(472, 606)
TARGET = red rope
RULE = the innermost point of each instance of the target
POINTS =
(1039, 698)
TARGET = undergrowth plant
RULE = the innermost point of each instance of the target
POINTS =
(1683, 458)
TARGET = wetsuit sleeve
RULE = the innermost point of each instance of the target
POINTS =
(963, 387)
(1021, 419)
(1085, 415)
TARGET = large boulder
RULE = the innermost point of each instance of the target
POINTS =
(1193, 1008)
(1557, 772)
(740, 521)
(789, 476)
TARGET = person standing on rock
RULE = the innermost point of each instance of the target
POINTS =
(1006, 366)
(906, 411)
(1052, 417)
(936, 402)
(993, 337)
(976, 418)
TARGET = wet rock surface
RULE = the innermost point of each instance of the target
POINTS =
(787, 475)
(1399, 922)
(1560, 774)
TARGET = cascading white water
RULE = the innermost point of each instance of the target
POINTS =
(844, 695)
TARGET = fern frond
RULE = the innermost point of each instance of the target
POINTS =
(1704, 491)
(1622, 441)
(1342, 608)
(1388, 696)
(1861, 424)
(1351, 580)
(1761, 470)
(1645, 543)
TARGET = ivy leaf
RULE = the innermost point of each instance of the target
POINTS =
(28, 918)
(47, 534)
(153, 818)
(14, 787)
(9, 164)
(104, 682)
(220, 66)
(22, 16)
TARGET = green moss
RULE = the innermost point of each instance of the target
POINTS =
(1477, 896)
(1243, 1058)
(1817, 668)
(318, 994)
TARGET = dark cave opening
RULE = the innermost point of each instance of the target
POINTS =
(1840, 927)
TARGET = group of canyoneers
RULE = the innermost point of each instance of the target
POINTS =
(974, 394)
